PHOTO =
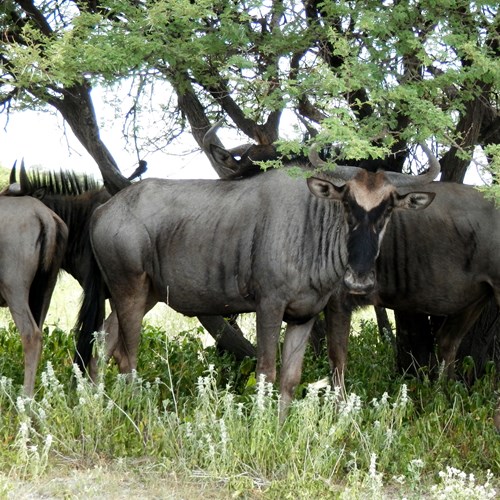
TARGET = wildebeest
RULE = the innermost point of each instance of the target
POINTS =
(444, 262)
(32, 245)
(74, 198)
(271, 243)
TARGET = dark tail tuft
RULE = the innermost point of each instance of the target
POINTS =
(91, 315)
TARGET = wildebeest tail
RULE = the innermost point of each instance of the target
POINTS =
(51, 243)
(91, 315)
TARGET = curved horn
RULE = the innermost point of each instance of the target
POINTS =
(406, 180)
(314, 158)
(434, 165)
(18, 188)
(211, 135)
(23, 177)
(12, 176)
(240, 150)
(341, 172)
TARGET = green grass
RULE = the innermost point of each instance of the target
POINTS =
(200, 424)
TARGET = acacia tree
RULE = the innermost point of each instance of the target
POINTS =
(369, 77)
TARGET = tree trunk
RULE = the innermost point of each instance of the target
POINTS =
(228, 337)
(78, 110)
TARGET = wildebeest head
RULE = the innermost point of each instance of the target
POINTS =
(241, 161)
(368, 200)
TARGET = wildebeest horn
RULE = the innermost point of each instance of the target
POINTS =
(240, 150)
(12, 176)
(18, 188)
(211, 135)
(403, 180)
(341, 172)
(23, 176)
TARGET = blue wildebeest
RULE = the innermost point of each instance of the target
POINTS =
(271, 243)
(32, 245)
(74, 197)
(445, 262)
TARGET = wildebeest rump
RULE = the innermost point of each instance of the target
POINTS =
(443, 262)
(32, 245)
(74, 198)
(263, 244)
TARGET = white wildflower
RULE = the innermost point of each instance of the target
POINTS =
(239, 409)
(48, 441)
(373, 466)
(403, 400)
(41, 414)
(416, 463)
(223, 432)
(261, 392)
(384, 399)
(20, 403)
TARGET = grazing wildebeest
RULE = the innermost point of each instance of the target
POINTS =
(445, 262)
(32, 245)
(271, 243)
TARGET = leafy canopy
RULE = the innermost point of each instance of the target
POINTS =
(371, 76)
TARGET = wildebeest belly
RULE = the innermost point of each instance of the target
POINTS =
(439, 300)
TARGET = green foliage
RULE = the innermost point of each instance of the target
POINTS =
(373, 74)
(4, 177)
(493, 191)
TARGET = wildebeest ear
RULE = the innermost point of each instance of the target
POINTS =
(325, 189)
(223, 156)
(415, 201)
(14, 189)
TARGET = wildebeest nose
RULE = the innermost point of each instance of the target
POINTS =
(359, 284)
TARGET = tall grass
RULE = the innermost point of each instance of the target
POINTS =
(201, 415)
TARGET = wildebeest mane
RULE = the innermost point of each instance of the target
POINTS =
(62, 182)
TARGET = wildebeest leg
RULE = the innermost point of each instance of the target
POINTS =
(31, 336)
(451, 333)
(131, 306)
(269, 319)
(296, 337)
(338, 326)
